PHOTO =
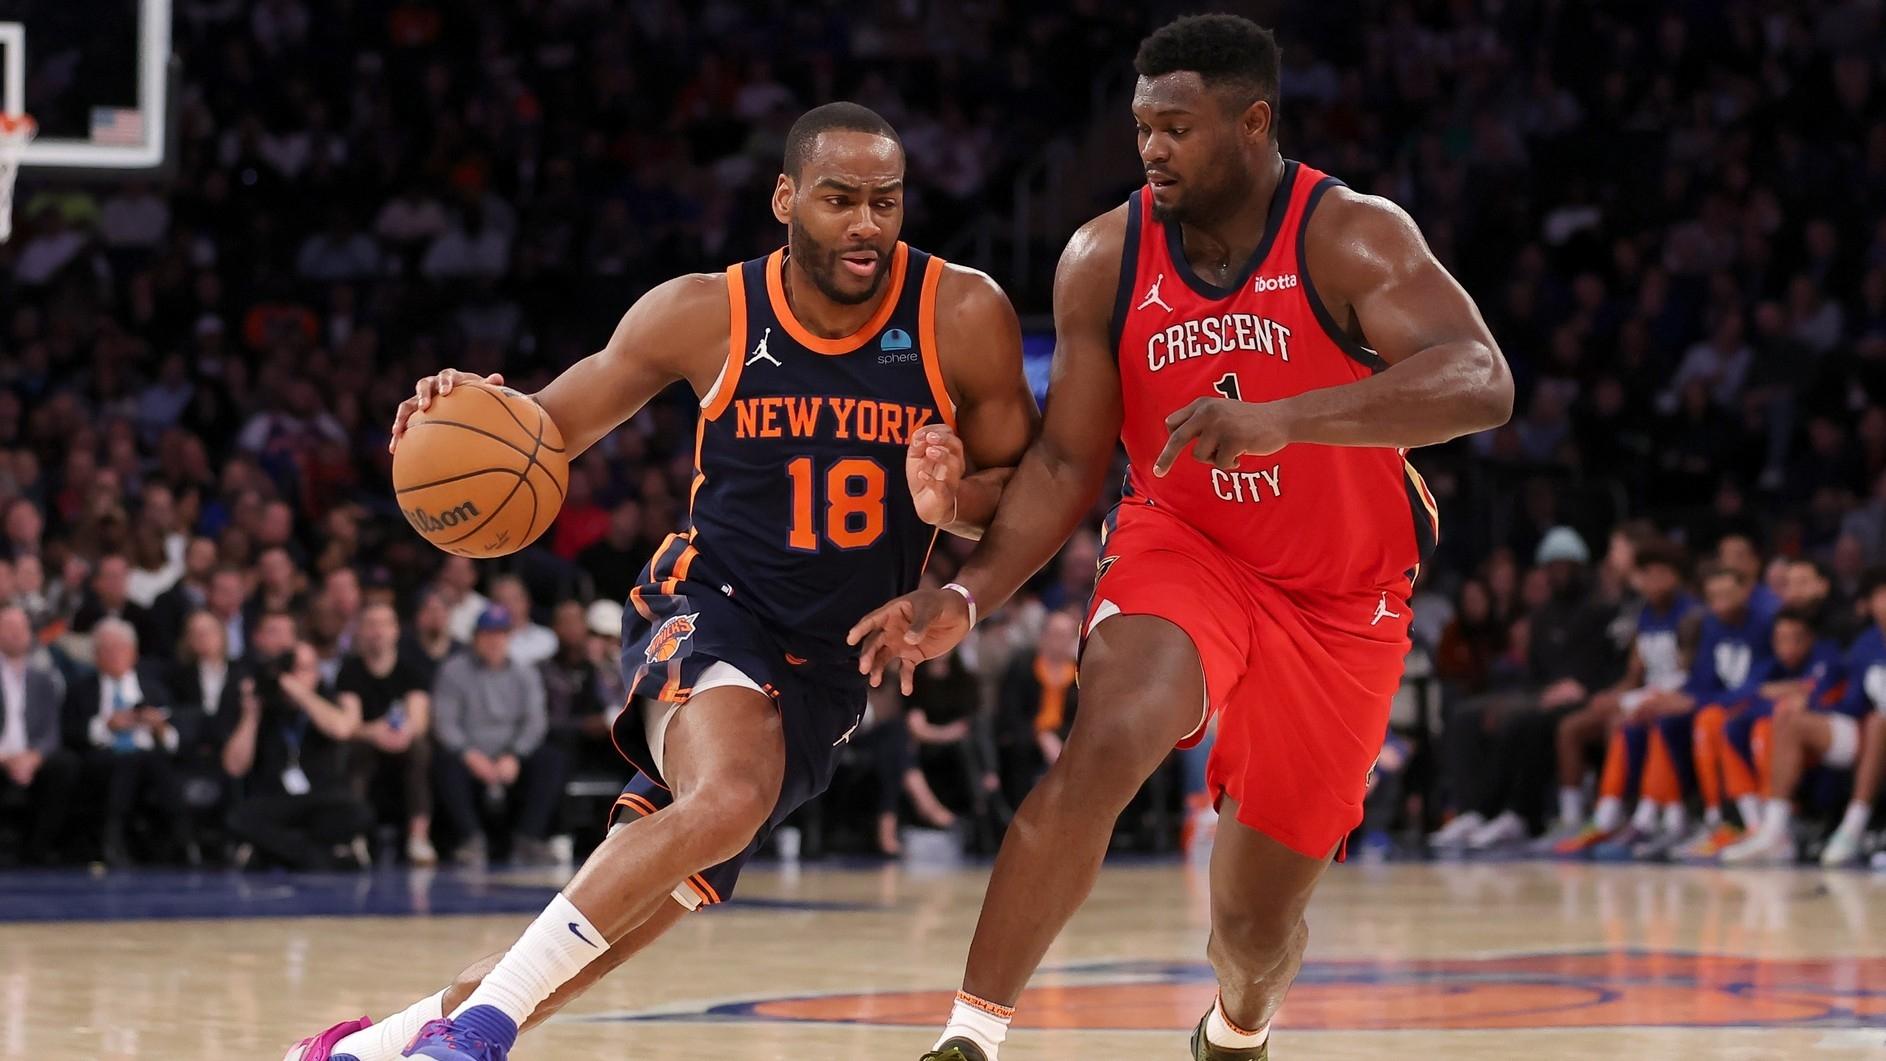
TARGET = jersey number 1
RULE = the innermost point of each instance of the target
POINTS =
(1227, 386)
(854, 503)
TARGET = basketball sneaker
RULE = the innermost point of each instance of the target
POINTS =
(958, 1049)
(321, 1047)
(1581, 843)
(1707, 843)
(1843, 848)
(1619, 846)
(1762, 847)
(1203, 1050)
(481, 1033)
(1455, 833)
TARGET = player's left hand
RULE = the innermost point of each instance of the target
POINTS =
(935, 464)
(1220, 431)
(913, 628)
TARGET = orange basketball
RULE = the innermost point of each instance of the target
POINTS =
(482, 472)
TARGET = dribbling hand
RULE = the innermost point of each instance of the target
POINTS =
(935, 464)
(437, 385)
(915, 627)
(1220, 431)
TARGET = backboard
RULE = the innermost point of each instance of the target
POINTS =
(95, 74)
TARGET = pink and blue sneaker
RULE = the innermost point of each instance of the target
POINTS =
(481, 1033)
(321, 1047)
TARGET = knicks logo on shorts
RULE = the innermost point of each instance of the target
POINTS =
(668, 637)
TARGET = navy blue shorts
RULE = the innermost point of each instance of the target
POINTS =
(670, 639)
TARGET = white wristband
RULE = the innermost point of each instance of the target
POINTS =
(968, 597)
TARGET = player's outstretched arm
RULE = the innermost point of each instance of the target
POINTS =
(686, 317)
(1058, 478)
(1376, 276)
(980, 347)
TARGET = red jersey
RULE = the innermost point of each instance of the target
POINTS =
(1316, 517)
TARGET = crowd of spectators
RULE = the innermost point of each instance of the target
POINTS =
(1673, 217)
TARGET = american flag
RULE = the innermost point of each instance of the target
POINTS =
(117, 125)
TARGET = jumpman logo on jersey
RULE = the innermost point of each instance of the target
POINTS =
(1152, 296)
(760, 351)
(1382, 612)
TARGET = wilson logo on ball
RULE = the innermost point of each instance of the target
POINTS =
(451, 517)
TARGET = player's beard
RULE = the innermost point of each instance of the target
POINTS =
(1202, 203)
(821, 263)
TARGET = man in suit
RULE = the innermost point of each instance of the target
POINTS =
(31, 758)
(120, 716)
(174, 606)
(110, 598)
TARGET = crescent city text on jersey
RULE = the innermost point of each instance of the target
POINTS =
(1220, 334)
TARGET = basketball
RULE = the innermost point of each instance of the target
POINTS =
(482, 472)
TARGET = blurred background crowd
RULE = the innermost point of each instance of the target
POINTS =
(220, 641)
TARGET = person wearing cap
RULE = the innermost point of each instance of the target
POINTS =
(1499, 748)
(605, 650)
(490, 720)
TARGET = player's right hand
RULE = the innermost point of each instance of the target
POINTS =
(437, 385)
(915, 627)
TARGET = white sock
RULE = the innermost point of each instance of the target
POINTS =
(1646, 817)
(384, 1041)
(1571, 805)
(1675, 818)
(980, 1021)
(1750, 808)
(1712, 817)
(1780, 812)
(1853, 823)
(1610, 814)
(548, 955)
(1221, 1032)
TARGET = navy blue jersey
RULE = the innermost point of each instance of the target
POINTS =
(1727, 654)
(800, 509)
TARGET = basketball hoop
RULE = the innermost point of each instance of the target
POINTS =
(16, 131)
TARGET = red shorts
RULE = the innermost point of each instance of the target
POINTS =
(1301, 680)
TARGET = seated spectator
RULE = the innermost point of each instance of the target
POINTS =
(1036, 705)
(579, 725)
(31, 756)
(940, 715)
(488, 712)
(531, 642)
(457, 586)
(110, 598)
(390, 754)
(120, 716)
(430, 640)
(206, 705)
(296, 808)
(189, 594)
(614, 562)
(605, 651)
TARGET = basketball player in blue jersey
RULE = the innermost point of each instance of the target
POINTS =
(845, 382)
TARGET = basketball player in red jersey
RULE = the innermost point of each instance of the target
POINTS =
(1268, 344)
(819, 369)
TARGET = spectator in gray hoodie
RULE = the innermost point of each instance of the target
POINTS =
(490, 722)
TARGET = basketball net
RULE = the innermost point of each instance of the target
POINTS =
(16, 131)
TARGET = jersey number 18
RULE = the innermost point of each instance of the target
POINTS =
(854, 503)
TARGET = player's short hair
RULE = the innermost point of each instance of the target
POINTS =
(1661, 552)
(1799, 615)
(1225, 51)
(1716, 569)
(842, 116)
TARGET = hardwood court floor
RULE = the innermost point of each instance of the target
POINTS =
(1469, 961)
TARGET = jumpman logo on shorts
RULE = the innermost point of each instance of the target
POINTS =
(1382, 612)
(1152, 296)
(761, 351)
